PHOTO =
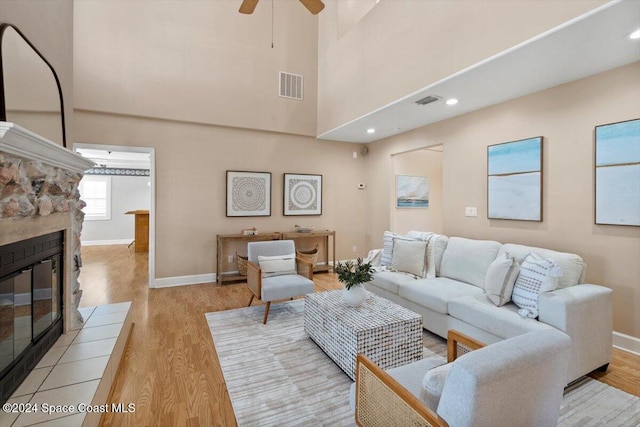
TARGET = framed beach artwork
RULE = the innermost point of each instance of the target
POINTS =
(248, 193)
(412, 191)
(514, 181)
(302, 194)
(617, 173)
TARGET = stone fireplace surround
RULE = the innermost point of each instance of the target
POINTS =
(39, 195)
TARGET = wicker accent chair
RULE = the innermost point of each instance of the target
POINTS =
(279, 287)
(516, 382)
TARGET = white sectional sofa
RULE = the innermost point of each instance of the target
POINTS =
(452, 296)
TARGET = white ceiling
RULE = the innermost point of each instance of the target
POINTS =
(590, 44)
(116, 159)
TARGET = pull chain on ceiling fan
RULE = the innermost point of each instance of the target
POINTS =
(313, 6)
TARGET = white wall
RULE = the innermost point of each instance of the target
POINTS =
(128, 193)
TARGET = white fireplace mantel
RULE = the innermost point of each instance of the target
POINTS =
(20, 142)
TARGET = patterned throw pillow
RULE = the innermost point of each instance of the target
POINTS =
(277, 265)
(501, 276)
(537, 275)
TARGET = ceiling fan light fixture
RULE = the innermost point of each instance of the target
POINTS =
(313, 6)
(248, 6)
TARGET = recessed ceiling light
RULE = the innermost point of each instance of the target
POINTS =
(452, 101)
(635, 35)
(371, 130)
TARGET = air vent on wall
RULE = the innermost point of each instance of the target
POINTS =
(427, 100)
(290, 85)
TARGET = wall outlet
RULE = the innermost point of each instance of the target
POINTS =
(470, 211)
(354, 249)
(230, 259)
(355, 154)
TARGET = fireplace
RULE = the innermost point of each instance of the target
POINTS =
(31, 294)
(40, 224)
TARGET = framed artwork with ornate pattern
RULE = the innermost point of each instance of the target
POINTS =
(248, 193)
(302, 194)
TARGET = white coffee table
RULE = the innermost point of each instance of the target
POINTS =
(388, 334)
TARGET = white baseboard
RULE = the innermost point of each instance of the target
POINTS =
(106, 242)
(626, 343)
(197, 279)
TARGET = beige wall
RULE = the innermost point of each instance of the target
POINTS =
(48, 24)
(401, 46)
(565, 116)
(191, 161)
(423, 162)
(196, 61)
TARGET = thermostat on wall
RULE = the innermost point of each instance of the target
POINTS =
(361, 186)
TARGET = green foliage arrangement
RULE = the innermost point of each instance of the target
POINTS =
(353, 274)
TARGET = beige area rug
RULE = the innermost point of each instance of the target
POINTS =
(277, 376)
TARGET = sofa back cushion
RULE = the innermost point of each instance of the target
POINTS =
(468, 260)
(571, 265)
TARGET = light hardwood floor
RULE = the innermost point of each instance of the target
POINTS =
(170, 369)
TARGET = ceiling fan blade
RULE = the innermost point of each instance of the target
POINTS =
(314, 6)
(248, 6)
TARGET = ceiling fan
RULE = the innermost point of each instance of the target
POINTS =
(314, 6)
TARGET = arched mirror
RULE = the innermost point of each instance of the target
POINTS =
(30, 95)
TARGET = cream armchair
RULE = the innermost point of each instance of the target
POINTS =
(280, 286)
(515, 382)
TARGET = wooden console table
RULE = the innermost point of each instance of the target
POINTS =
(141, 241)
(295, 235)
(223, 239)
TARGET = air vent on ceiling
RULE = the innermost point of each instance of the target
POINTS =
(427, 100)
(290, 85)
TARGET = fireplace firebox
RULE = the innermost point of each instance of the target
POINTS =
(31, 318)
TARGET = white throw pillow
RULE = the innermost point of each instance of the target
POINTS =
(537, 275)
(387, 247)
(277, 265)
(501, 276)
(409, 257)
(433, 383)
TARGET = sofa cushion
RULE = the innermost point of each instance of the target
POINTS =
(537, 275)
(409, 376)
(504, 322)
(281, 287)
(436, 294)
(572, 265)
(435, 251)
(501, 276)
(468, 260)
(390, 280)
(410, 257)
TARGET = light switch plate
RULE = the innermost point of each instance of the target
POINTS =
(470, 211)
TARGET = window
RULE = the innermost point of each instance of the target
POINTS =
(95, 191)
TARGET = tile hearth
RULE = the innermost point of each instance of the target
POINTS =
(79, 368)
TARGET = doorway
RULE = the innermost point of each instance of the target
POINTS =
(126, 175)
